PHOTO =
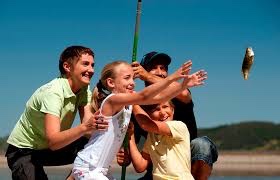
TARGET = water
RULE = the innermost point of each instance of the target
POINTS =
(60, 174)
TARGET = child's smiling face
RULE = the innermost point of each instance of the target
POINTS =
(123, 82)
(162, 112)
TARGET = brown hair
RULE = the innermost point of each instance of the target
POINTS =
(72, 54)
(149, 108)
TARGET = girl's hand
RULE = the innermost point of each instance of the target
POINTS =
(195, 79)
(183, 71)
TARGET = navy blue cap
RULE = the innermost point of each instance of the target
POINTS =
(150, 57)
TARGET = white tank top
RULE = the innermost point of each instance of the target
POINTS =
(103, 146)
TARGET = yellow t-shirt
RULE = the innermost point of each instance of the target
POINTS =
(170, 155)
(56, 98)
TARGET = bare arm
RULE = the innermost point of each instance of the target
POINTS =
(185, 96)
(141, 73)
(146, 96)
(58, 139)
(139, 160)
(174, 89)
(146, 123)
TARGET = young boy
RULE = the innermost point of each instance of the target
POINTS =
(152, 68)
(43, 135)
(167, 146)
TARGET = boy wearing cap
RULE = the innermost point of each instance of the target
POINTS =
(154, 67)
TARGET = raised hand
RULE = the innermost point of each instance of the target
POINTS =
(183, 71)
(195, 79)
(139, 71)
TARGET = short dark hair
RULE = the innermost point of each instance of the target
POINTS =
(72, 53)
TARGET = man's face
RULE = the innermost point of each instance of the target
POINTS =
(158, 70)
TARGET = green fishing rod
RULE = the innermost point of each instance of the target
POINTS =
(134, 56)
(136, 30)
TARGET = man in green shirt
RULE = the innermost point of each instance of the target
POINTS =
(43, 135)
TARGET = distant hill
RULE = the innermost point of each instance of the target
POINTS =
(263, 136)
(245, 136)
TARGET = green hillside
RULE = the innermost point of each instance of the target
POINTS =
(245, 136)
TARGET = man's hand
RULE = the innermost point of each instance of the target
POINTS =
(139, 71)
(182, 72)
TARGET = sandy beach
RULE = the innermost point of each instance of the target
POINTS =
(228, 164)
(247, 164)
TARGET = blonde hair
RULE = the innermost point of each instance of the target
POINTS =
(101, 91)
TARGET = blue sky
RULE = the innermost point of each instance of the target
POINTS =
(214, 34)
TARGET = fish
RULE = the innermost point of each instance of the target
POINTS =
(247, 62)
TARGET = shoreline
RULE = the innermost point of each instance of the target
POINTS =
(247, 164)
(229, 163)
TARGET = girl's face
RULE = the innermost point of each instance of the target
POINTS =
(123, 82)
(162, 112)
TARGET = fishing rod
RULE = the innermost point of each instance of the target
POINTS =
(136, 30)
(134, 56)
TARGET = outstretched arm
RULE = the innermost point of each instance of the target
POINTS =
(195, 79)
(174, 89)
(146, 95)
(139, 160)
(141, 73)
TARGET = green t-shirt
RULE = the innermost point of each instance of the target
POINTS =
(56, 98)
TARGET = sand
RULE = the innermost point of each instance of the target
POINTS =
(228, 164)
(247, 164)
